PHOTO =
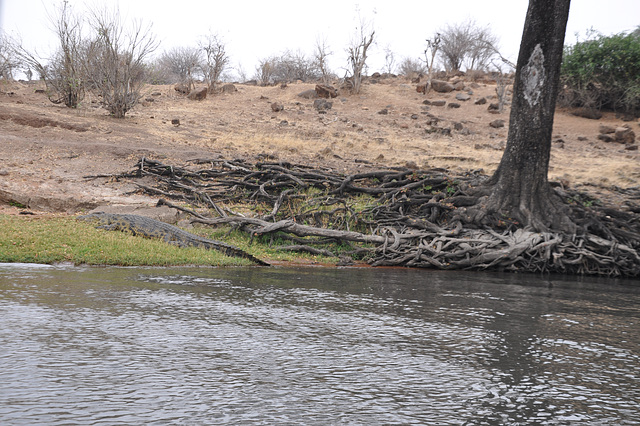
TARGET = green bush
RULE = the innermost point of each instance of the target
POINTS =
(603, 72)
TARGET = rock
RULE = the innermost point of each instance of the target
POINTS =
(414, 116)
(481, 101)
(494, 108)
(453, 105)
(458, 85)
(439, 103)
(496, 124)
(322, 105)
(631, 147)
(625, 135)
(198, 95)
(181, 88)
(229, 88)
(606, 138)
(308, 94)
(590, 113)
(463, 97)
(276, 107)
(442, 86)
(156, 94)
(457, 126)
(175, 121)
(605, 129)
(383, 111)
(326, 92)
(421, 88)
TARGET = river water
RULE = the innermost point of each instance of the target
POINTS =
(315, 346)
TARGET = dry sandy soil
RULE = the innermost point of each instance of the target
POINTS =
(46, 150)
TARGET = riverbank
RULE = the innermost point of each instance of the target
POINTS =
(57, 161)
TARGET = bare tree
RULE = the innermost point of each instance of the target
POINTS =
(215, 60)
(63, 74)
(115, 62)
(9, 61)
(389, 60)
(181, 64)
(433, 45)
(357, 54)
(467, 44)
(320, 56)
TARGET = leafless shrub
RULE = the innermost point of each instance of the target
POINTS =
(411, 67)
(64, 72)
(289, 66)
(9, 61)
(389, 61)
(215, 60)
(180, 65)
(115, 62)
(265, 71)
(357, 55)
(320, 57)
(468, 45)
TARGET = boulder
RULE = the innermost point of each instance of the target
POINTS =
(229, 88)
(481, 101)
(198, 95)
(496, 124)
(605, 137)
(326, 92)
(308, 94)
(463, 97)
(181, 88)
(625, 135)
(442, 86)
(590, 113)
(605, 129)
(421, 88)
(493, 108)
(453, 105)
(439, 103)
(276, 107)
(458, 85)
(322, 105)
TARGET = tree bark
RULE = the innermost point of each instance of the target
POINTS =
(519, 190)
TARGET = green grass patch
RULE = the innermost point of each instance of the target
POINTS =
(65, 239)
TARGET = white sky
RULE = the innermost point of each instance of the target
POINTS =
(253, 30)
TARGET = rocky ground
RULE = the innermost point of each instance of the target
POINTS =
(47, 151)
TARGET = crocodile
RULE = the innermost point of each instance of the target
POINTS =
(151, 228)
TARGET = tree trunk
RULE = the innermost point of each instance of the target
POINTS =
(519, 189)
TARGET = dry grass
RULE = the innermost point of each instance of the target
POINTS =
(242, 125)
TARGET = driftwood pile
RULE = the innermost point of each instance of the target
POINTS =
(401, 215)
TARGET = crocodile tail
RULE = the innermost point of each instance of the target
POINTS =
(236, 252)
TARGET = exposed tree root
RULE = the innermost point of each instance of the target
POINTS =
(411, 218)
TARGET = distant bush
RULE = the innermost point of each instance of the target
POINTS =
(603, 73)
(410, 67)
(289, 66)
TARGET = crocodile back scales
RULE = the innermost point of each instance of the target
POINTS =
(151, 228)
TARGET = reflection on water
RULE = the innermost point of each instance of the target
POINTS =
(315, 346)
